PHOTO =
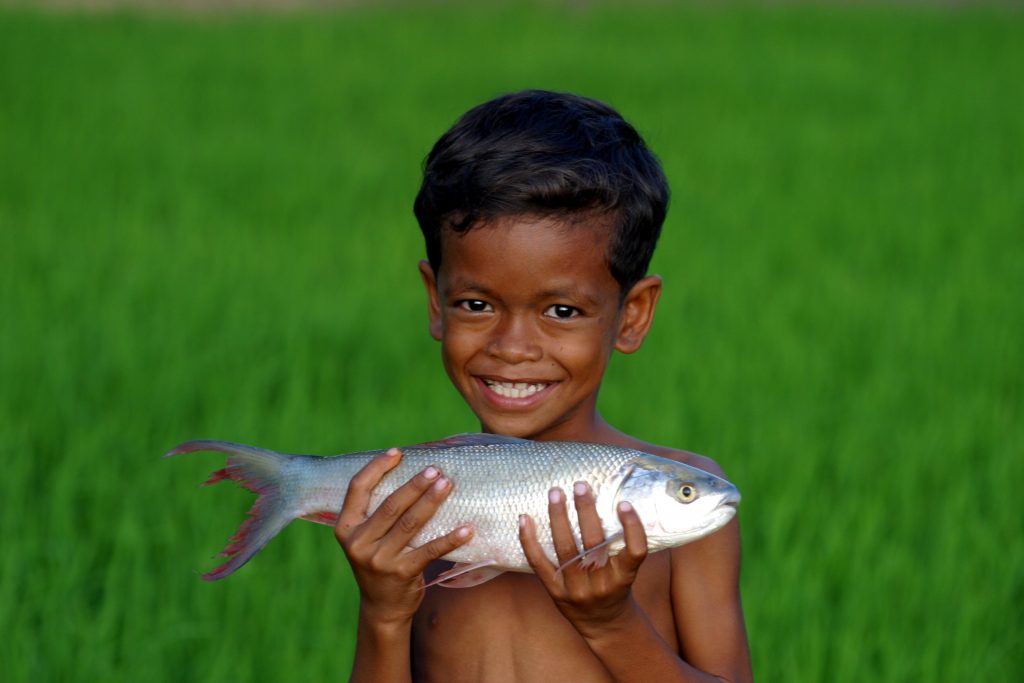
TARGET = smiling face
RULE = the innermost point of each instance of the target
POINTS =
(528, 314)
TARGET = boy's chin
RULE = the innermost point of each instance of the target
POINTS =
(508, 428)
(522, 427)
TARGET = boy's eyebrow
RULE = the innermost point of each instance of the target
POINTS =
(470, 285)
(569, 291)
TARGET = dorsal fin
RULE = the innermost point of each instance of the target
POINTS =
(468, 439)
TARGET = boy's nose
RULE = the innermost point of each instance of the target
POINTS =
(512, 342)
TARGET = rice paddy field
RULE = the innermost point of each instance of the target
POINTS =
(206, 231)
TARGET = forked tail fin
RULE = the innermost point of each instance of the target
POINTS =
(260, 471)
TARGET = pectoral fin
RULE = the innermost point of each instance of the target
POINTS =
(594, 557)
(467, 575)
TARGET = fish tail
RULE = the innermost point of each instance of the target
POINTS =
(259, 471)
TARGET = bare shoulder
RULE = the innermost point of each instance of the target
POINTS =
(704, 590)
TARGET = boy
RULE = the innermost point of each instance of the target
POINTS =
(540, 212)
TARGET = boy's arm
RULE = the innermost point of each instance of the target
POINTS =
(390, 578)
(708, 617)
(706, 604)
(599, 602)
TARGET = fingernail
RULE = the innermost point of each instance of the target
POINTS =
(431, 472)
(463, 532)
(579, 488)
(624, 506)
(522, 521)
(392, 452)
(555, 496)
(440, 484)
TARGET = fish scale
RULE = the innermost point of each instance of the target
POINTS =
(494, 480)
(492, 486)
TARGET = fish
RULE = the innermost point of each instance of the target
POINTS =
(494, 479)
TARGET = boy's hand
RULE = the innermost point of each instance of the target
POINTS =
(389, 573)
(591, 599)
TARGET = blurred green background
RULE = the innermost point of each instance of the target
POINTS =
(205, 231)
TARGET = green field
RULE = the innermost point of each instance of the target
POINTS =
(206, 231)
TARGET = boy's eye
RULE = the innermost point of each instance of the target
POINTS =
(562, 312)
(474, 305)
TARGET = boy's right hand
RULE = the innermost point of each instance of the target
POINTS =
(389, 573)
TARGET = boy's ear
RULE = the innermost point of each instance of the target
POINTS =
(637, 313)
(433, 306)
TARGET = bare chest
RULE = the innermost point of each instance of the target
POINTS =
(510, 630)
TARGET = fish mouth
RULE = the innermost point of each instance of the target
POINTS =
(719, 517)
(722, 513)
(730, 496)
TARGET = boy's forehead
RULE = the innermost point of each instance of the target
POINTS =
(567, 254)
(557, 233)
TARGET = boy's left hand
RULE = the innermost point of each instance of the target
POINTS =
(592, 599)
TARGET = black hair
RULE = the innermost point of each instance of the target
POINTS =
(544, 153)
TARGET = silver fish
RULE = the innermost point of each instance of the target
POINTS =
(494, 480)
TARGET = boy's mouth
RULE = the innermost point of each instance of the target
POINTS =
(515, 389)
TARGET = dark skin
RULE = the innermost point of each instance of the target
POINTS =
(528, 302)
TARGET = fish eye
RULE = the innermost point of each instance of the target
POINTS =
(687, 492)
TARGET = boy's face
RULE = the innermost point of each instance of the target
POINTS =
(528, 314)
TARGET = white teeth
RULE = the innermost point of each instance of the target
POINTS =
(514, 389)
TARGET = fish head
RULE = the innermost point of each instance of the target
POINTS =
(677, 503)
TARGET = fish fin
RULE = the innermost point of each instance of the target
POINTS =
(467, 575)
(595, 557)
(468, 439)
(259, 471)
(322, 517)
(219, 475)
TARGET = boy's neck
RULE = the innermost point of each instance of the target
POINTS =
(593, 429)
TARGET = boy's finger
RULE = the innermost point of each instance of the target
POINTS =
(633, 555)
(418, 514)
(418, 559)
(561, 529)
(535, 556)
(591, 531)
(398, 503)
(357, 497)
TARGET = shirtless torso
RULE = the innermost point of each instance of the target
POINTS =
(521, 636)
(509, 630)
